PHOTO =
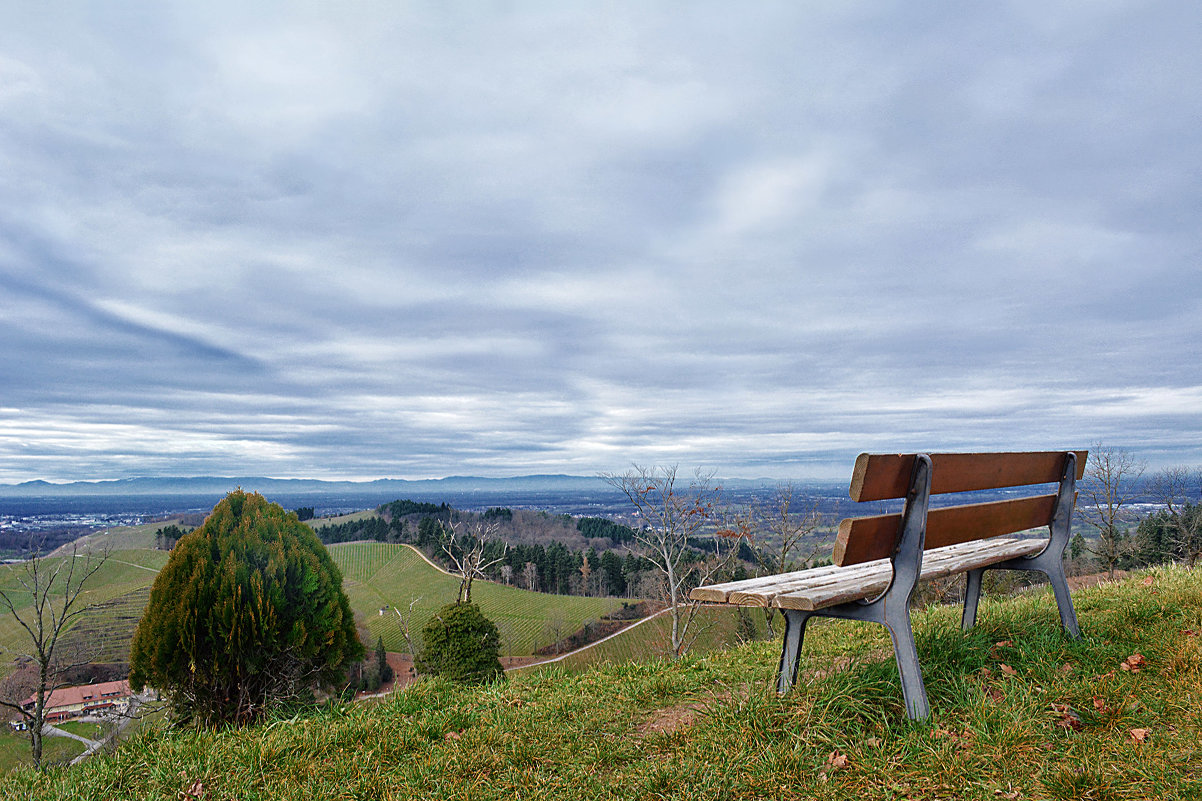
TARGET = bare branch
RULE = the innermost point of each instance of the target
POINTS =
(470, 563)
(55, 604)
(672, 518)
(1110, 476)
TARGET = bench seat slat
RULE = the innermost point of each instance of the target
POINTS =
(720, 593)
(819, 588)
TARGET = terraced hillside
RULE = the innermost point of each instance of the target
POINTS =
(381, 577)
(717, 627)
(108, 629)
(118, 592)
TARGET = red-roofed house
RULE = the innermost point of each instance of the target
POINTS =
(84, 699)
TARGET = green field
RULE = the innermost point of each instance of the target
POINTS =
(1019, 711)
(118, 592)
(376, 575)
(14, 749)
(716, 627)
(122, 538)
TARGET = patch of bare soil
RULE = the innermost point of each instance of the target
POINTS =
(842, 663)
(1094, 579)
(509, 662)
(669, 720)
(673, 718)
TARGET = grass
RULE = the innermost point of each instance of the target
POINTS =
(379, 574)
(375, 575)
(119, 592)
(14, 750)
(716, 628)
(1019, 712)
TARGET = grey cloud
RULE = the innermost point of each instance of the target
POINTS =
(389, 241)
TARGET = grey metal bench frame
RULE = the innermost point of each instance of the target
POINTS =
(891, 608)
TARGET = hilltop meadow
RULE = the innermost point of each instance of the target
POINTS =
(1020, 712)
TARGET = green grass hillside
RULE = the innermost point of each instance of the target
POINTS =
(716, 627)
(377, 574)
(1019, 712)
(119, 590)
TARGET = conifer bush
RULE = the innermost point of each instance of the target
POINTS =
(461, 644)
(248, 612)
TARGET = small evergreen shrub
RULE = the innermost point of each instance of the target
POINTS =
(248, 612)
(461, 644)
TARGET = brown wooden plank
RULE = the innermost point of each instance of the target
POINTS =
(862, 539)
(880, 476)
(868, 583)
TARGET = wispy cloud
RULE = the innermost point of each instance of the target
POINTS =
(391, 241)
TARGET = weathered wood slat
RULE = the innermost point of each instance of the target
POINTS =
(837, 574)
(827, 586)
(863, 539)
(720, 593)
(881, 476)
(955, 559)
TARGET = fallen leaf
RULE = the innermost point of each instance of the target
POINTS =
(1009, 793)
(1148, 581)
(1099, 703)
(837, 760)
(452, 735)
(197, 790)
(1190, 633)
(1066, 668)
(986, 672)
(1140, 735)
(1133, 663)
(1009, 671)
(1067, 717)
(1003, 644)
(995, 695)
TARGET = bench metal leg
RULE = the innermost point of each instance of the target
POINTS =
(913, 689)
(1064, 601)
(972, 596)
(795, 628)
(1052, 566)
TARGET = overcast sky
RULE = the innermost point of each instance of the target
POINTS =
(364, 240)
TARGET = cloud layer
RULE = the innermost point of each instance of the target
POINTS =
(375, 241)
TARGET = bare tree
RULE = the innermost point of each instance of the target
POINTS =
(45, 602)
(672, 515)
(469, 560)
(1110, 477)
(781, 523)
(777, 525)
(530, 576)
(1174, 488)
(406, 623)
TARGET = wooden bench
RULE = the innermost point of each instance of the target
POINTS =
(878, 560)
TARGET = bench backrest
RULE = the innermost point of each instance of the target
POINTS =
(886, 476)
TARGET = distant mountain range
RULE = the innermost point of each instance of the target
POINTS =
(398, 487)
(209, 485)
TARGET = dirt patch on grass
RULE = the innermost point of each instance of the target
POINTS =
(681, 716)
(842, 663)
(667, 721)
(1093, 580)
